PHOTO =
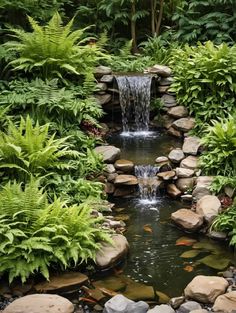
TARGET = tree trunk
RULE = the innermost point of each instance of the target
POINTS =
(153, 16)
(158, 24)
(133, 28)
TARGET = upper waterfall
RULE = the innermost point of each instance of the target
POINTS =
(135, 96)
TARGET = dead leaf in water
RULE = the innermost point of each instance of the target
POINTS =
(108, 292)
(190, 254)
(188, 268)
(147, 228)
(218, 262)
(185, 241)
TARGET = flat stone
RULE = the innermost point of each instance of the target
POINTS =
(123, 191)
(166, 81)
(64, 282)
(184, 172)
(166, 175)
(109, 254)
(103, 99)
(176, 302)
(226, 303)
(109, 188)
(101, 86)
(102, 70)
(191, 145)
(176, 155)
(109, 153)
(173, 191)
(129, 180)
(202, 188)
(161, 160)
(185, 184)
(120, 304)
(137, 291)
(191, 162)
(169, 101)
(187, 197)
(184, 124)
(40, 303)
(163, 308)
(189, 306)
(107, 79)
(113, 283)
(124, 165)
(199, 311)
(174, 132)
(205, 289)
(217, 235)
(163, 89)
(110, 169)
(187, 219)
(209, 207)
(160, 70)
(178, 111)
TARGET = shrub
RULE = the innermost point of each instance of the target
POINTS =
(220, 182)
(220, 143)
(36, 235)
(205, 80)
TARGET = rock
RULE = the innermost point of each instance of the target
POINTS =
(111, 177)
(205, 289)
(137, 291)
(120, 304)
(226, 303)
(184, 124)
(109, 254)
(40, 303)
(166, 175)
(162, 160)
(160, 70)
(173, 191)
(229, 191)
(64, 282)
(184, 172)
(176, 155)
(200, 311)
(123, 191)
(176, 302)
(114, 283)
(209, 207)
(103, 99)
(102, 70)
(217, 235)
(109, 188)
(107, 79)
(163, 308)
(202, 187)
(166, 81)
(163, 89)
(187, 219)
(185, 184)
(110, 169)
(178, 111)
(187, 197)
(129, 180)
(168, 101)
(173, 132)
(109, 153)
(166, 121)
(124, 165)
(189, 306)
(191, 145)
(101, 86)
(191, 162)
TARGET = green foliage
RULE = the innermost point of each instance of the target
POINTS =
(220, 182)
(206, 20)
(220, 143)
(205, 80)
(36, 235)
(53, 50)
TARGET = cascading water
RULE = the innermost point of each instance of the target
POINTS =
(135, 96)
(148, 183)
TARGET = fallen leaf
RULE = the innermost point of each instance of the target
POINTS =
(188, 268)
(108, 292)
(148, 228)
(87, 300)
(190, 254)
(218, 262)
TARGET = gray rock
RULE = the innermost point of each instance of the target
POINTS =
(184, 172)
(184, 124)
(229, 191)
(185, 184)
(189, 306)
(102, 70)
(178, 111)
(103, 99)
(101, 86)
(202, 187)
(166, 175)
(174, 132)
(109, 254)
(163, 89)
(163, 308)
(187, 219)
(166, 121)
(109, 153)
(216, 235)
(160, 70)
(168, 101)
(191, 162)
(120, 304)
(39, 303)
(108, 79)
(191, 145)
(176, 302)
(166, 81)
(161, 160)
(110, 169)
(209, 207)
(200, 311)
(176, 155)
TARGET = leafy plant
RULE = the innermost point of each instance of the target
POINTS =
(53, 50)
(220, 143)
(36, 235)
(205, 80)
(220, 182)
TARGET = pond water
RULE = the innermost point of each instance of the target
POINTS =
(154, 257)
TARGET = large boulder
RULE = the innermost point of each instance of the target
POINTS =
(209, 207)
(176, 155)
(160, 70)
(187, 219)
(178, 111)
(226, 303)
(109, 153)
(127, 180)
(124, 165)
(64, 282)
(120, 304)
(202, 187)
(184, 124)
(191, 145)
(163, 308)
(109, 254)
(205, 289)
(191, 162)
(40, 303)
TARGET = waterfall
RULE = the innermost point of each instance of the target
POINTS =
(135, 96)
(148, 182)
